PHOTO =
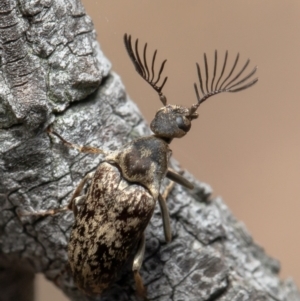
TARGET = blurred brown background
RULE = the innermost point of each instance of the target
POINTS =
(245, 145)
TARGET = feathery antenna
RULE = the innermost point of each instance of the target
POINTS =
(142, 68)
(229, 84)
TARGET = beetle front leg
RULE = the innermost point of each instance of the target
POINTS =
(43, 212)
(136, 266)
(81, 148)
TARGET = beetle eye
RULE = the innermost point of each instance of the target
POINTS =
(184, 125)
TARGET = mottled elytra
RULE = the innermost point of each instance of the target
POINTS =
(110, 219)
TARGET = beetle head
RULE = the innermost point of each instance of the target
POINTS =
(172, 121)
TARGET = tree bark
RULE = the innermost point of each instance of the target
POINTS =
(53, 72)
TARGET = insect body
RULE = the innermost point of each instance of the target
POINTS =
(113, 215)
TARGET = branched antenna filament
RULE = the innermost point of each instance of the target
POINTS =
(229, 84)
(207, 87)
(142, 68)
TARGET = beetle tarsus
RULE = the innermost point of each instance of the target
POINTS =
(140, 288)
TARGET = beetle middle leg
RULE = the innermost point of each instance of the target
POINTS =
(178, 178)
(136, 266)
(76, 200)
(162, 200)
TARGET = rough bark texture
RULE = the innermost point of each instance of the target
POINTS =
(52, 71)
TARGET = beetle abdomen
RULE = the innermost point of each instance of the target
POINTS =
(107, 228)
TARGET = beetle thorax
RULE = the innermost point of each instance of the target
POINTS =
(171, 121)
(145, 161)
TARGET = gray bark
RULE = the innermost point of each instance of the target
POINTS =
(53, 72)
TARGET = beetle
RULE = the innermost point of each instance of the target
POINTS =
(110, 219)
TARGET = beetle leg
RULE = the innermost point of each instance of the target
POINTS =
(79, 201)
(81, 148)
(43, 212)
(136, 266)
(178, 178)
(165, 211)
(76, 200)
